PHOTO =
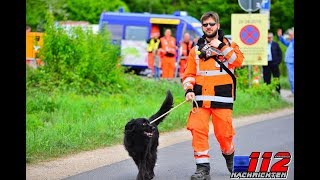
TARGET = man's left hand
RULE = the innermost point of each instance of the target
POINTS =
(215, 43)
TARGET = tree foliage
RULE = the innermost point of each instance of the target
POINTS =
(281, 15)
(90, 10)
(281, 12)
(75, 10)
(35, 11)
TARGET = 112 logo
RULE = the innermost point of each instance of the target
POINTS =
(281, 165)
(266, 165)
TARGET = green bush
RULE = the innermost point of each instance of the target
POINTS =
(242, 77)
(77, 60)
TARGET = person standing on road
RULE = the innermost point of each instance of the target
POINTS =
(186, 44)
(153, 44)
(168, 52)
(209, 80)
(157, 65)
(274, 60)
(289, 57)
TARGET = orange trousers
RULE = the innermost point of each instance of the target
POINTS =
(198, 125)
(182, 64)
(151, 62)
(168, 66)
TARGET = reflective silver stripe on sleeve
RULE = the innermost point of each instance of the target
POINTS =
(215, 98)
(188, 82)
(196, 50)
(232, 58)
(202, 160)
(199, 153)
(189, 79)
(197, 59)
(186, 85)
(226, 51)
(197, 56)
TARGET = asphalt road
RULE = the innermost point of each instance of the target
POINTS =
(176, 162)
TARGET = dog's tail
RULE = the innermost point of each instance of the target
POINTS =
(165, 107)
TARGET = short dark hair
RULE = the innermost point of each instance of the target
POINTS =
(210, 14)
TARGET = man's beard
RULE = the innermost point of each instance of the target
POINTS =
(212, 35)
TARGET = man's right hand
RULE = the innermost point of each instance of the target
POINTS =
(190, 96)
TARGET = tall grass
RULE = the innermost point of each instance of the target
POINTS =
(284, 82)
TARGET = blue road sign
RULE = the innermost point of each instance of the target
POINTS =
(265, 5)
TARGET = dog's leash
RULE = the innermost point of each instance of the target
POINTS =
(174, 108)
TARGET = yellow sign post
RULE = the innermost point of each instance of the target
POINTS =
(250, 31)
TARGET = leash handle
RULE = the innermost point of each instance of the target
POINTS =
(196, 105)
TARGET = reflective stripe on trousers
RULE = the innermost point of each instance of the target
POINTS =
(198, 125)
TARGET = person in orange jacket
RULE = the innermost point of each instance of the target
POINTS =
(153, 44)
(168, 53)
(209, 80)
(185, 46)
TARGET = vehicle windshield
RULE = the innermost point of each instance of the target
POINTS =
(199, 30)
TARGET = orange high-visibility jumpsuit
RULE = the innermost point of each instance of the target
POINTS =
(213, 88)
(186, 47)
(153, 45)
(168, 56)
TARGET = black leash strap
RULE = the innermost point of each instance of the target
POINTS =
(230, 73)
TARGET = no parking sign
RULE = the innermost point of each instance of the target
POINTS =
(250, 32)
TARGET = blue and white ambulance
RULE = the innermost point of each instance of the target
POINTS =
(132, 30)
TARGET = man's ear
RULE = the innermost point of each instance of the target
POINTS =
(130, 127)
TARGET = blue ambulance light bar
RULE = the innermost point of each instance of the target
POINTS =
(180, 13)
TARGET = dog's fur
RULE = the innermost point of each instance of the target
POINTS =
(141, 140)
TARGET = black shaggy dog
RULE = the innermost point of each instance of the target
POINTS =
(141, 139)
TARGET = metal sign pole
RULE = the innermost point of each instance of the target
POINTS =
(249, 66)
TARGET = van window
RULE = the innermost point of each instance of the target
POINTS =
(136, 33)
(115, 30)
(192, 33)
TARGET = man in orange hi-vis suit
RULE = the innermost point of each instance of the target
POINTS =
(153, 44)
(209, 80)
(186, 46)
(168, 53)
